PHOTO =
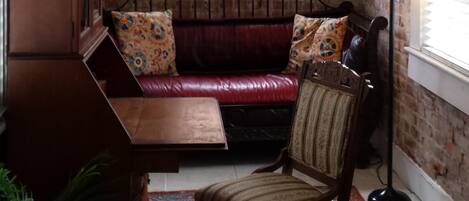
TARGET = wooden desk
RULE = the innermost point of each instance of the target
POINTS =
(160, 128)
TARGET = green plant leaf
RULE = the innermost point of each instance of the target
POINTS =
(87, 185)
(10, 190)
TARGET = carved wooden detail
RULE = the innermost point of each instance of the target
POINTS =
(333, 73)
(218, 9)
(337, 76)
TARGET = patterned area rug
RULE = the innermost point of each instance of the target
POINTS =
(189, 196)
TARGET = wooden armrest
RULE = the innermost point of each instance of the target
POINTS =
(369, 85)
(275, 165)
(329, 195)
(102, 84)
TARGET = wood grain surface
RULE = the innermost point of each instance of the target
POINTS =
(219, 9)
(172, 122)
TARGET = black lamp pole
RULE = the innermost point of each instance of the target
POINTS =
(389, 193)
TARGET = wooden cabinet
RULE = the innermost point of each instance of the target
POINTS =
(54, 27)
(90, 23)
(41, 27)
(58, 116)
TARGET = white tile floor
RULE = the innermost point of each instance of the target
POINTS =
(199, 172)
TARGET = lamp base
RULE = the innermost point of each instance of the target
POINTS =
(388, 194)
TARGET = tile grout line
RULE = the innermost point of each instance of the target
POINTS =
(235, 170)
(165, 182)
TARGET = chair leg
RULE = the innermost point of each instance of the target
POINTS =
(287, 170)
(344, 194)
(139, 186)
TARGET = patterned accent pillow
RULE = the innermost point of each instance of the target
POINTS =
(328, 41)
(316, 39)
(304, 30)
(146, 41)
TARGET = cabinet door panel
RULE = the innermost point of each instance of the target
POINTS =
(91, 13)
(97, 10)
(40, 27)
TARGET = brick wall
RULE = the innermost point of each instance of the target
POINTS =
(431, 131)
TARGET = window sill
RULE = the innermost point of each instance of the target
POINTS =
(449, 84)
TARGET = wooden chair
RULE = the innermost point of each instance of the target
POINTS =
(323, 143)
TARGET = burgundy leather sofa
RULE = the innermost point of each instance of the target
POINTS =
(239, 61)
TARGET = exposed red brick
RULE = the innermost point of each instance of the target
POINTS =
(431, 131)
(451, 148)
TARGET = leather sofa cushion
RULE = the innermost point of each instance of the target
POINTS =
(228, 89)
(236, 45)
(354, 56)
(233, 45)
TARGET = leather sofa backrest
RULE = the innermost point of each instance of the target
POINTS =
(214, 46)
(236, 45)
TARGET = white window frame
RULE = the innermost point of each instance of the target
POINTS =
(435, 73)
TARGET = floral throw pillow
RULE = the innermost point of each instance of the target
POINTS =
(328, 41)
(316, 39)
(304, 30)
(146, 41)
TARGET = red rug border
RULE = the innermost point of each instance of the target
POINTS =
(193, 191)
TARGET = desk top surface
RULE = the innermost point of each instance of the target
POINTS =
(172, 122)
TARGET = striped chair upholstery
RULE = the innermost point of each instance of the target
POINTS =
(259, 187)
(318, 135)
(318, 140)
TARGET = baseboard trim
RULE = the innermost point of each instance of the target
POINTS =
(416, 179)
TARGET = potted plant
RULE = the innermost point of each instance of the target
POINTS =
(86, 185)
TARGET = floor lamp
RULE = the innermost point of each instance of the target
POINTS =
(389, 193)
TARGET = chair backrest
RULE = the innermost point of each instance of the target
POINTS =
(319, 130)
(324, 130)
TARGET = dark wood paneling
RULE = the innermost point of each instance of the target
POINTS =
(143, 5)
(202, 10)
(175, 6)
(216, 9)
(317, 6)
(33, 35)
(260, 8)
(187, 9)
(246, 8)
(158, 5)
(112, 4)
(276, 8)
(57, 122)
(289, 7)
(130, 6)
(231, 8)
(119, 80)
(304, 6)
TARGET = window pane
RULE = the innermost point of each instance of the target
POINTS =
(446, 28)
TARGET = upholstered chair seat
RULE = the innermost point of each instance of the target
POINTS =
(260, 187)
